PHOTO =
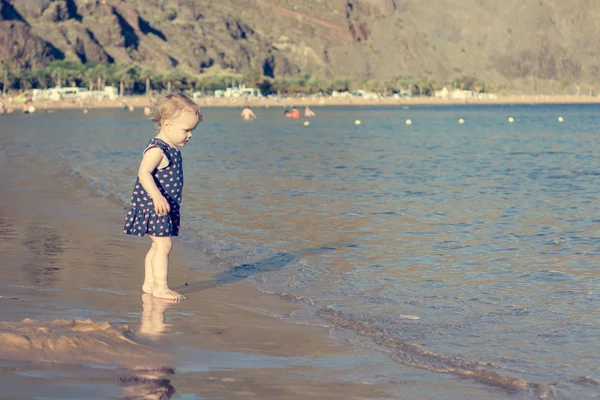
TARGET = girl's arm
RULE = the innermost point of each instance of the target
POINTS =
(150, 161)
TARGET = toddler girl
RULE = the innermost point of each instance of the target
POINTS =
(156, 198)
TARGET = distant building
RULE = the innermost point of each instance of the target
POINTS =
(242, 92)
(336, 94)
(459, 94)
(441, 94)
(58, 93)
(365, 94)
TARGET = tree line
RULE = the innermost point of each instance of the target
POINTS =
(134, 79)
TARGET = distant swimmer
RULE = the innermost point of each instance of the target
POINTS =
(294, 113)
(248, 114)
(308, 112)
(28, 108)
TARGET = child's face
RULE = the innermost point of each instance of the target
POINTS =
(179, 129)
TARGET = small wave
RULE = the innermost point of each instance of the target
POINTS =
(96, 189)
(415, 356)
(587, 380)
(548, 276)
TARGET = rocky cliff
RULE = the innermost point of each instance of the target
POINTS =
(496, 41)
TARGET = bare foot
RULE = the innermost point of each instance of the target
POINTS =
(167, 294)
(148, 287)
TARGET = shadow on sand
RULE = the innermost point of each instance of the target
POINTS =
(240, 272)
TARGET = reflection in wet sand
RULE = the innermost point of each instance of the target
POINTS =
(45, 248)
(150, 384)
(153, 315)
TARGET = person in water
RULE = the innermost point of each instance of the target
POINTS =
(156, 198)
(308, 112)
(294, 113)
(248, 114)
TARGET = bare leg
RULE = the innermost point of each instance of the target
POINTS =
(148, 285)
(160, 269)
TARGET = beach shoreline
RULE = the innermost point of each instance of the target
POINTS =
(134, 102)
(240, 333)
(71, 286)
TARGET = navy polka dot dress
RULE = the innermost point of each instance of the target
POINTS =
(141, 218)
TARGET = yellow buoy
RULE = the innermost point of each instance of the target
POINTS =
(511, 119)
(560, 119)
(357, 122)
(461, 121)
(408, 122)
(306, 123)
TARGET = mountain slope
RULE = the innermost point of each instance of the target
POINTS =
(498, 42)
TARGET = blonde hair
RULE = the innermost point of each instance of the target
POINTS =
(171, 105)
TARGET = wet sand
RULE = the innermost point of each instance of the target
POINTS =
(74, 320)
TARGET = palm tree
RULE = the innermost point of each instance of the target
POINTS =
(315, 84)
(479, 87)
(591, 86)
(57, 73)
(90, 75)
(578, 87)
(169, 77)
(24, 79)
(147, 74)
(281, 85)
(406, 82)
(126, 75)
(424, 85)
(371, 85)
(40, 78)
(341, 84)
(100, 71)
(65, 70)
(433, 86)
(252, 78)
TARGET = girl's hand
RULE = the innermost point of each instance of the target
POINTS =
(161, 206)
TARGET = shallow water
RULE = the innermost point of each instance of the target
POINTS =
(485, 231)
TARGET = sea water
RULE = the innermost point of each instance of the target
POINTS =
(469, 249)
